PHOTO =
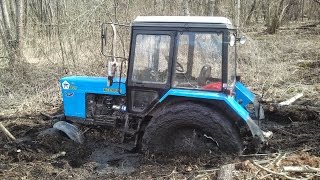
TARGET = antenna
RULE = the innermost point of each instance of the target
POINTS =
(237, 35)
(238, 15)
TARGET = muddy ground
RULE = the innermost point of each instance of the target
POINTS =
(102, 156)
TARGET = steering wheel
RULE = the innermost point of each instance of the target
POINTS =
(179, 67)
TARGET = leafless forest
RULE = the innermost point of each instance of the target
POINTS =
(44, 40)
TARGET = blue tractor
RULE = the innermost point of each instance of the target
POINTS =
(179, 92)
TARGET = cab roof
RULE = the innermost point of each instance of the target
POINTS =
(183, 21)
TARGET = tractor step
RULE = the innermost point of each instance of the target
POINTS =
(105, 120)
(128, 131)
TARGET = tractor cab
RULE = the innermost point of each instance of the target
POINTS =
(180, 52)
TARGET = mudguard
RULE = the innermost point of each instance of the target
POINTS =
(70, 130)
(231, 101)
(244, 97)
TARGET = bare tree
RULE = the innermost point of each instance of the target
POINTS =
(185, 5)
(210, 8)
(276, 14)
(253, 7)
(12, 37)
(216, 8)
(19, 28)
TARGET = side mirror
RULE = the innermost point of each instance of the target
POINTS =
(103, 37)
(232, 40)
(242, 39)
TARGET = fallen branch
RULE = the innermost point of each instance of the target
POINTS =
(266, 161)
(2, 118)
(301, 169)
(279, 159)
(273, 172)
(55, 156)
(207, 170)
(225, 172)
(6, 132)
(253, 155)
(291, 100)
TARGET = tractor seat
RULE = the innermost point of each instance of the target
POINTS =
(204, 75)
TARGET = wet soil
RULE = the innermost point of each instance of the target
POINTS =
(102, 156)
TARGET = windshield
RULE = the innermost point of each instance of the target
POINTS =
(151, 58)
(199, 61)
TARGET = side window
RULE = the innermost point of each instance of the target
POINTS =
(151, 58)
(199, 61)
(231, 65)
(182, 55)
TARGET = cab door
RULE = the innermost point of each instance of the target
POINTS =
(149, 73)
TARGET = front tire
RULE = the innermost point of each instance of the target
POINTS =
(192, 129)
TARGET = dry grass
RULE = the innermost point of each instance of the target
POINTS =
(269, 63)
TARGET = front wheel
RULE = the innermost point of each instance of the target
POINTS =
(191, 128)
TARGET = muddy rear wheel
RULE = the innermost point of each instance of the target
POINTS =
(191, 128)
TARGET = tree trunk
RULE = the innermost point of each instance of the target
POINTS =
(19, 29)
(185, 5)
(13, 42)
(5, 19)
(216, 8)
(225, 172)
(253, 7)
(274, 17)
(210, 8)
(5, 29)
(12, 11)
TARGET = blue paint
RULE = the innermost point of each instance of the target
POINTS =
(229, 100)
(243, 94)
(75, 88)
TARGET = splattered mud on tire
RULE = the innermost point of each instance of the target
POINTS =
(209, 130)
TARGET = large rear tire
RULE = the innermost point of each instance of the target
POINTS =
(191, 128)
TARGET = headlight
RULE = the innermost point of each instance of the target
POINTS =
(250, 108)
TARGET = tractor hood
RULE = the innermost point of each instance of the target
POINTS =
(75, 88)
(93, 85)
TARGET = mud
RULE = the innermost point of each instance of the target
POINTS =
(56, 155)
(296, 136)
(102, 156)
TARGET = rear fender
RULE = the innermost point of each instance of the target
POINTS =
(230, 102)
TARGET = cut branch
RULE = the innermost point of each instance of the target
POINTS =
(273, 172)
(301, 169)
(6, 132)
(225, 172)
(291, 100)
